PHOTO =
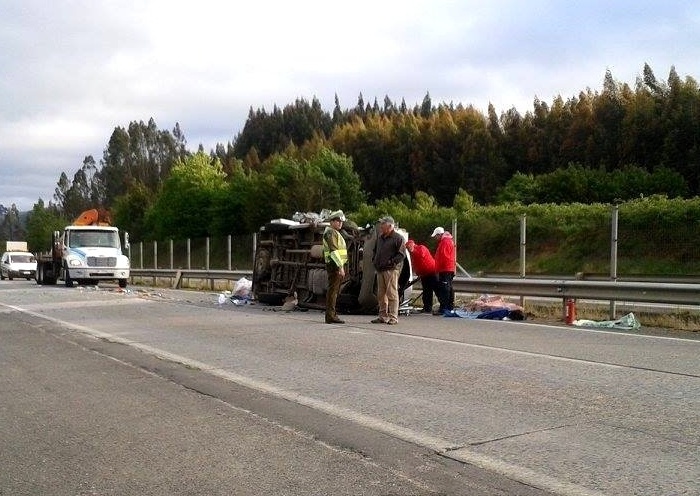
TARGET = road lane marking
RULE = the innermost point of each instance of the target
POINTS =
(440, 446)
(83, 304)
(540, 355)
(620, 332)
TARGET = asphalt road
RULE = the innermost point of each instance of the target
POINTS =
(167, 392)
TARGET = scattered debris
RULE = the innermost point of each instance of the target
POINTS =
(242, 288)
(489, 307)
(628, 322)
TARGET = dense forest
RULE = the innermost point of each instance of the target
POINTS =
(608, 146)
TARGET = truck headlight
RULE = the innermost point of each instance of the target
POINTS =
(74, 262)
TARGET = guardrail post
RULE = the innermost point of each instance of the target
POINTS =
(255, 243)
(523, 245)
(228, 251)
(141, 254)
(613, 255)
(206, 264)
(171, 254)
(206, 255)
(155, 259)
(189, 256)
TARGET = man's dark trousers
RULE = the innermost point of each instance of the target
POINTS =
(334, 280)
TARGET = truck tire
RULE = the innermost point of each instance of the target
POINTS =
(67, 279)
(2, 277)
(39, 274)
(122, 283)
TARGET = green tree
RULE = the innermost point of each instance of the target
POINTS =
(140, 154)
(11, 228)
(129, 211)
(41, 222)
(183, 208)
(229, 213)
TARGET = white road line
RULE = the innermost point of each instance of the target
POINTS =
(621, 333)
(507, 350)
(83, 304)
(441, 446)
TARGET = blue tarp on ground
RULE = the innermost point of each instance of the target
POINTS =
(491, 314)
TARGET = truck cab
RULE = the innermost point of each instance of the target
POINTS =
(91, 254)
(85, 254)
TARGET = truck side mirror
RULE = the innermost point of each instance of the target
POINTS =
(126, 240)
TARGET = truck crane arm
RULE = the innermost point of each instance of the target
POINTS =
(93, 217)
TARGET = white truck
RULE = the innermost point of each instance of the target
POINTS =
(17, 261)
(86, 252)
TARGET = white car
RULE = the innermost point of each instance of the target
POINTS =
(17, 264)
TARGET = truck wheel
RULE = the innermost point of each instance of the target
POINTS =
(122, 283)
(68, 280)
(39, 274)
(2, 277)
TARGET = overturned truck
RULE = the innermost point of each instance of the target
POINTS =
(289, 260)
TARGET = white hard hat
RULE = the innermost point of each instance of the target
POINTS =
(338, 214)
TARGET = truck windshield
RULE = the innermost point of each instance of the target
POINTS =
(84, 238)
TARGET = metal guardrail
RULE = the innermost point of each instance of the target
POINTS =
(626, 291)
(177, 275)
(590, 276)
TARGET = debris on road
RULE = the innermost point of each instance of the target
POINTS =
(628, 322)
(489, 307)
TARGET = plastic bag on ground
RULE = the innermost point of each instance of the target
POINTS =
(628, 322)
(243, 287)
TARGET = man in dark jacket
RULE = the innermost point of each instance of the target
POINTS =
(389, 252)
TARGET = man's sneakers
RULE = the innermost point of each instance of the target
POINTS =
(335, 320)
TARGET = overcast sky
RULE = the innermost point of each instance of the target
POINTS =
(72, 71)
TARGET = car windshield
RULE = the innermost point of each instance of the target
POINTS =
(104, 239)
(28, 258)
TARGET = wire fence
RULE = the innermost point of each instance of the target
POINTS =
(604, 243)
(216, 253)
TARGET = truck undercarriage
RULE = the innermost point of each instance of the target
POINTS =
(289, 260)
